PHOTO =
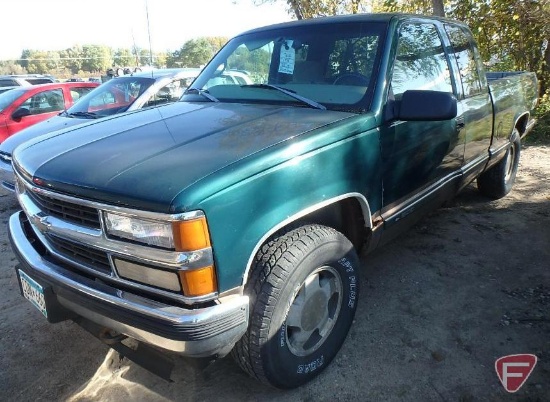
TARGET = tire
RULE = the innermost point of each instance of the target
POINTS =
(290, 340)
(499, 179)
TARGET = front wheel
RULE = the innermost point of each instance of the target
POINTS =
(499, 179)
(303, 290)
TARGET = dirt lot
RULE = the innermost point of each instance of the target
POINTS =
(467, 285)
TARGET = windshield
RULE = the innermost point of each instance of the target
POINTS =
(114, 96)
(328, 64)
(7, 98)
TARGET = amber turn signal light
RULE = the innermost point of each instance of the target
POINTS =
(198, 282)
(191, 235)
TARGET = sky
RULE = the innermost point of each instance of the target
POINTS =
(60, 24)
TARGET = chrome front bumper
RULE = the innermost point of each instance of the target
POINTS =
(7, 177)
(197, 332)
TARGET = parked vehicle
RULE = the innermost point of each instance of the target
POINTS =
(24, 80)
(5, 89)
(122, 94)
(25, 106)
(231, 77)
(231, 221)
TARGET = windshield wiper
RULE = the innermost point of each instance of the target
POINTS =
(202, 92)
(87, 115)
(288, 92)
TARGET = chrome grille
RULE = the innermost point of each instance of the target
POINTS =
(67, 211)
(90, 257)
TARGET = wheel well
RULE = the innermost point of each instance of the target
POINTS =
(346, 216)
(521, 123)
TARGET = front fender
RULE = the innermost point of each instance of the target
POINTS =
(243, 215)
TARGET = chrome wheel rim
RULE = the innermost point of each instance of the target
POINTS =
(314, 311)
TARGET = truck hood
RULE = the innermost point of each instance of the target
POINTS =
(44, 127)
(146, 158)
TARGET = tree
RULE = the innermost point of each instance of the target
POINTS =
(25, 55)
(96, 58)
(10, 67)
(72, 58)
(160, 59)
(510, 33)
(438, 8)
(302, 9)
(123, 57)
(37, 62)
(196, 52)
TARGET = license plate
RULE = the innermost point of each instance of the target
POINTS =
(33, 292)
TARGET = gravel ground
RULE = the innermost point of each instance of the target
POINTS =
(467, 285)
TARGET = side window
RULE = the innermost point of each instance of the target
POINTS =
(8, 83)
(168, 93)
(463, 51)
(45, 102)
(420, 62)
(240, 80)
(36, 81)
(79, 92)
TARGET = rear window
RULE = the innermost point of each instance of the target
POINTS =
(36, 81)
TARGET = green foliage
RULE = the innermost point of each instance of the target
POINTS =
(71, 58)
(510, 33)
(255, 62)
(541, 131)
(196, 52)
(302, 9)
(123, 57)
(96, 58)
(9, 67)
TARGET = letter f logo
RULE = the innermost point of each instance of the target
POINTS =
(513, 370)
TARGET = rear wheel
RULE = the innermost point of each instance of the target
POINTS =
(499, 179)
(303, 289)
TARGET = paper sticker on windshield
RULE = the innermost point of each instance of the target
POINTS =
(288, 55)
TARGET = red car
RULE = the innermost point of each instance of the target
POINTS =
(22, 107)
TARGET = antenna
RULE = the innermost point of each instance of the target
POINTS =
(149, 34)
(135, 49)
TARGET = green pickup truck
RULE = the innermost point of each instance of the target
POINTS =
(231, 221)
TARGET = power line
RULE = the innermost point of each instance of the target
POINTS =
(78, 58)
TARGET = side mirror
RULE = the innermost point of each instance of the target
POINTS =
(20, 113)
(418, 105)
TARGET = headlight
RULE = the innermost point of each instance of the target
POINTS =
(187, 235)
(153, 233)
